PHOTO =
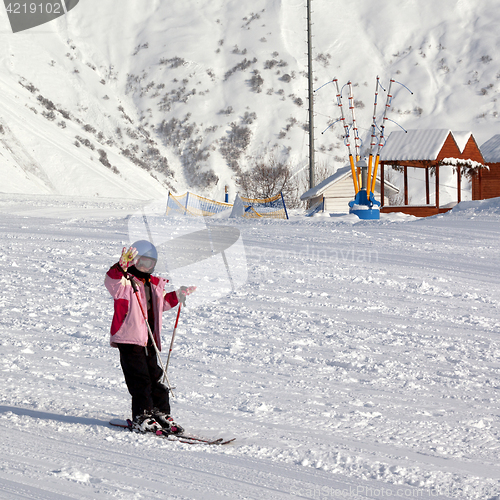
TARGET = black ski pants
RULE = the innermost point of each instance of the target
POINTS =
(143, 378)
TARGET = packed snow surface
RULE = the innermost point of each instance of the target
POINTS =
(359, 359)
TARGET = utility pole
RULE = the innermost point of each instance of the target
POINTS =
(311, 97)
(312, 182)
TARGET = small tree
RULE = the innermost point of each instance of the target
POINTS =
(266, 179)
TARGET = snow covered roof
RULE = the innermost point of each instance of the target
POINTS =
(325, 184)
(461, 138)
(491, 150)
(420, 144)
(414, 145)
(339, 175)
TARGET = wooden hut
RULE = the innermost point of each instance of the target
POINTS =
(430, 150)
(486, 184)
(337, 191)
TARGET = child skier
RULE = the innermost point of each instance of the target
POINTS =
(129, 333)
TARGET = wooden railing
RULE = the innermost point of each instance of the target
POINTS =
(417, 211)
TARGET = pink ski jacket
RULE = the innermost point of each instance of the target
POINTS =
(128, 325)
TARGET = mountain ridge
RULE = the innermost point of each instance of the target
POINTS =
(124, 101)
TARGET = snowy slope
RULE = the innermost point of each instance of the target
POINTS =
(359, 358)
(227, 81)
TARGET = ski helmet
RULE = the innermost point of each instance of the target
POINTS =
(147, 256)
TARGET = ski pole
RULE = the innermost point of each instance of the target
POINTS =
(173, 336)
(150, 333)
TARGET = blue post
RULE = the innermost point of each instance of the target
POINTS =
(364, 202)
(284, 206)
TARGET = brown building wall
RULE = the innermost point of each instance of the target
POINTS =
(472, 152)
(449, 149)
(487, 183)
(484, 185)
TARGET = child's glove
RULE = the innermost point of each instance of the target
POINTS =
(127, 257)
(183, 292)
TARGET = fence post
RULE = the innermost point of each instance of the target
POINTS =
(284, 206)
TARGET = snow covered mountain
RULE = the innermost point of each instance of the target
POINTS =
(116, 99)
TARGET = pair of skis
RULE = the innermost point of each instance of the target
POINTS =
(181, 438)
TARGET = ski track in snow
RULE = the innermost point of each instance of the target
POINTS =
(357, 356)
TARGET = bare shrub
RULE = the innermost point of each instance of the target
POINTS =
(140, 47)
(249, 118)
(256, 82)
(271, 63)
(50, 115)
(64, 113)
(89, 128)
(29, 86)
(234, 144)
(85, 142)
(174, 62)
(46, 102)
(323, 59)
(242, 66)
(266, 178)
(228, 111)
(185, 138)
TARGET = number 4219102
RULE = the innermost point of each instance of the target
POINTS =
(34, 8)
